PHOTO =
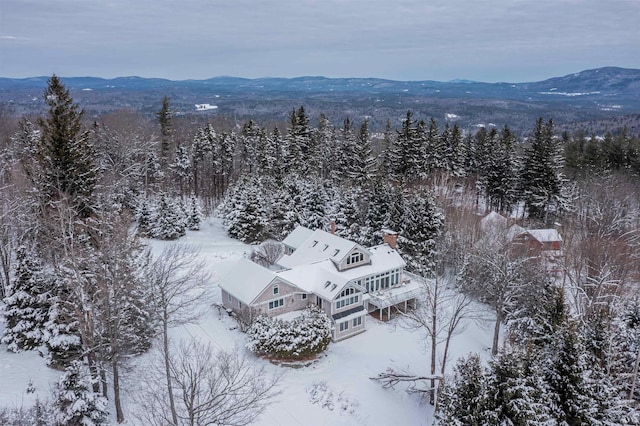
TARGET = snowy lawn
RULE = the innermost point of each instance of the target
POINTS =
(334, 389)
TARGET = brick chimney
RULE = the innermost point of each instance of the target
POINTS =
(390, 237)
(333, 226)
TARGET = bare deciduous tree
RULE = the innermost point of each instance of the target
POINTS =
(222, 388)
(179, 286)
(438, 318)
(267, 253)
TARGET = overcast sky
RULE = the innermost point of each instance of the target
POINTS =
(491, 40)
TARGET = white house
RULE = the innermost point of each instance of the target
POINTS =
(343, 278)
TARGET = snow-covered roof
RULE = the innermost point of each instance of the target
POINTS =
(297, 237)
(514, 231)
(324, 279)
(243, 279)
(544, 235)
(320, 245)
(493, 222)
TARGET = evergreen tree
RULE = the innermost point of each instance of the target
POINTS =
(420, 227)
(347, 215)
(435, 149)
(65, 154)
(62, 335)
(542, 182)
(463, 400)
(500, 172)
(26, 307)
(181, 167)
(345, 151)
(377, 214)
(248, 223)
(297, 142)
(76, 403)
(165, 118)
(363, 165)
(194, 216)
(314, 201)
(170, 221)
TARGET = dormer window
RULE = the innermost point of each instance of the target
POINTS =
(355, 258)
(326, 246)
(315, 243)
(276, 290)
(335, 253)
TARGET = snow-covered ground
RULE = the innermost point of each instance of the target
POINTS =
(335, 389)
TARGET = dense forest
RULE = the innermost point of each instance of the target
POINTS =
(79, 198)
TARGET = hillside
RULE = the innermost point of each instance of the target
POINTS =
(604, 97)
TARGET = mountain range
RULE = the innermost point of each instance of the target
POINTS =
(598, 99)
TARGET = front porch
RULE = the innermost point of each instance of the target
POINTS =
(399, 298)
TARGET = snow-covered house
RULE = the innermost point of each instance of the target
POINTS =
(545, 244)
(340, 276)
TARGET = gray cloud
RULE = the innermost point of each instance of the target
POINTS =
(515, 40)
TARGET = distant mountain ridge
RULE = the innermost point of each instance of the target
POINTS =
(603, 81)
(588, 95)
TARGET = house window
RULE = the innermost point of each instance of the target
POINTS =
(346, 301)
(344, 326)
(304, 296)
(239, 304)
(229, 298)
(276, 303)
(357, 321)
(276, 290)
(355, 258)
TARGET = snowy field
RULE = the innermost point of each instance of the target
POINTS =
(335, 389)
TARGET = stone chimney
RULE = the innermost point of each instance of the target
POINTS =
(333, 226)
(390, 237)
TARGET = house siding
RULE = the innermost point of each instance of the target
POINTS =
(291, 294)
(351, 330)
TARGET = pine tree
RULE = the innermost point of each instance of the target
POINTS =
(65, 154)
(76, 403)
(27, 306)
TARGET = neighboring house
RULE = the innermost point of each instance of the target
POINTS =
(545, 244)
(341, 277)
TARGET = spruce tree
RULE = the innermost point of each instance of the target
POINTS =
(420, 227)
(248, 221)
(363, 165)
(65, 154)
(165, 118)
(27, 306)
(75, 402)
(542, 181)
(170, 221)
